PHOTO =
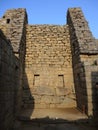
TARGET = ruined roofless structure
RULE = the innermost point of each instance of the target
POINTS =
(46, 66)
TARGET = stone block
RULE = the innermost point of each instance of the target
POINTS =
(62, 91)
(41, 90)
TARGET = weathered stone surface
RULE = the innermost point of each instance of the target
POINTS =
(45, 66)
(8, 83)
(41, 90)
(48, 62)
(84, 57)
(12, 52)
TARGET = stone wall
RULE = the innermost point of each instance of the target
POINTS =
(77, 64)
(9, 77)
(92, 91)
(48, 67)
(13, 25)
(85, 56)
(15, 21)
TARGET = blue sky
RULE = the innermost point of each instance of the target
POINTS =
(54, 11)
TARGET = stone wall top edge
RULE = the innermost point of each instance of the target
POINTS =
(16, 9)
(70, 8)
(74, 9)
(46, 25)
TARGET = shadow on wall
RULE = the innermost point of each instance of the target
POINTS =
(26, 94)
(9, 83)
(94, 78)
(78, 68)
(81, 88)
(11, 87)
(28, 102)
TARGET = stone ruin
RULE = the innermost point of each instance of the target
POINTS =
(46, 66)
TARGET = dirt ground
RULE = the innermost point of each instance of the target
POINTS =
(54, 119)
(64, 126)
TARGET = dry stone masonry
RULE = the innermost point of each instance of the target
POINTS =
(85, 57)
(46, 66)
(9, 76)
